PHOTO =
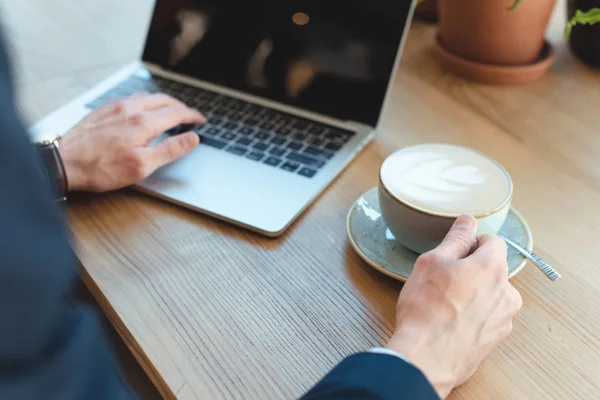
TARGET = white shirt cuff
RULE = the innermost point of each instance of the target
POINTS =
(382, 350)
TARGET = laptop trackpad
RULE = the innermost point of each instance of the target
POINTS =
(255, 194)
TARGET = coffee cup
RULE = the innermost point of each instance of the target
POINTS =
(424, 188)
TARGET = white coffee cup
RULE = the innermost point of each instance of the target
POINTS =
(424, 188)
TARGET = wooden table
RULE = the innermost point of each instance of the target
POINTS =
(212, 311)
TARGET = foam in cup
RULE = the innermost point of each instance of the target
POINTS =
(446, 180)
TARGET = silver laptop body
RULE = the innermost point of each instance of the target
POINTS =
(230, 181)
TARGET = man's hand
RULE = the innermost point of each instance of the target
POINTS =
(456, 307)
(109, 149)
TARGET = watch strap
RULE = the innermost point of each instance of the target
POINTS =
(54, 167)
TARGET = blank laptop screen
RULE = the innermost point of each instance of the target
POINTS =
(333, 57)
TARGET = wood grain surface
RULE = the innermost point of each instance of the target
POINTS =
(215, 312)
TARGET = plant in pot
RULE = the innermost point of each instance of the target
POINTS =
(584, 36)
(495, 41)
(502, 41)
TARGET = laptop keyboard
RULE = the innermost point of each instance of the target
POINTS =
(245, 129)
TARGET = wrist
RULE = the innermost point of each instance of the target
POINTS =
(411, 341)
(74, 175)
(74, 170)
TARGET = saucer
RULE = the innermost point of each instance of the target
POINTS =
(375, 244)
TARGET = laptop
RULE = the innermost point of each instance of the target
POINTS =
(292, 91)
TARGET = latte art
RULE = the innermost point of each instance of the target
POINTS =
(446, 179)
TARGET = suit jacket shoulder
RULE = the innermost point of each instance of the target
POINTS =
(50, 348)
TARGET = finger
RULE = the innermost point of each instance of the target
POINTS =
(154, 102)
(169, 150)
(491, 258)
(137, 103)
(114, 109)
(138, 95)
(491, 248)
(156, 122)
(106, 111)
(459, 241)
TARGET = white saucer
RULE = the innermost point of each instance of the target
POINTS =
(375, 244)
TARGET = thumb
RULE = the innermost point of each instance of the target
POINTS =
(171, 149)
(461, 238)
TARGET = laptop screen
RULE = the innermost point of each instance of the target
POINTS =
(333, 57)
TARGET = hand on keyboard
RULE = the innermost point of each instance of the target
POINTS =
(110, 148)
(244, 129)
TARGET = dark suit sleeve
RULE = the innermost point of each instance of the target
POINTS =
(369, 376)
(50, 348)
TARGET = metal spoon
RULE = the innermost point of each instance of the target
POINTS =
(534, 258)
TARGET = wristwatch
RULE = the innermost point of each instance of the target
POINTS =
(54, 167)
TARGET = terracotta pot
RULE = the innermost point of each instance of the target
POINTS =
(585, 40)
(485, 31)
(427, 11)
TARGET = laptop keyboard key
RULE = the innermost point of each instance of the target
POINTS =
(236, 105)
(338, 136)
(236, 116)
(290, 166)
(253, 108)
(309, 161)
(278, 140)
(295, 146)
(307, 172)
(216, 120)
(230, 125)
(261, 135)
(219, 110)
(313, 151)
(255, 156)
(284, 131)
(273, 161)
(267, 125)
(213, 142)
(277, 151)
(200, 128)
(246, 130)
(261, 146)
(213, 131)
(252, 121)
(238, 150)
(316, 142)
(271, 115)
(244, 141)
(316, 130)
(300, 125)
(333, 146)
(228, 136)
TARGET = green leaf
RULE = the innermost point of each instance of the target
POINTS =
(582, 18)
(514, 5)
